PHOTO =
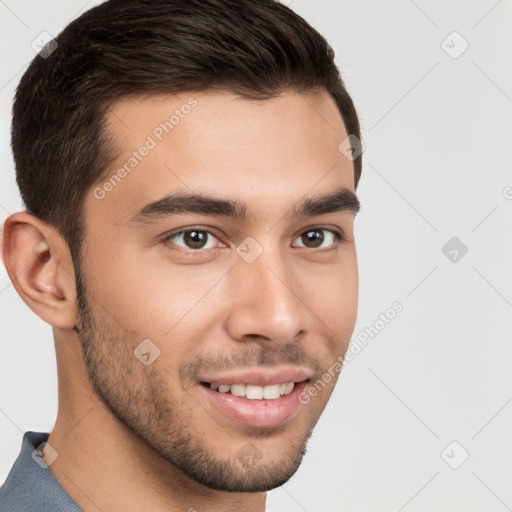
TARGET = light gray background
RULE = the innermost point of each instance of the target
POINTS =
(437, 165)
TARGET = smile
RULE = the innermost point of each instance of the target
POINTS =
(253, 405)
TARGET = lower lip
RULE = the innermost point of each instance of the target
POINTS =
(257, 413)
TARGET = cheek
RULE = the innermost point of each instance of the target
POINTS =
(143, 288)
(152, 299)
(332, 293)
(332, 298)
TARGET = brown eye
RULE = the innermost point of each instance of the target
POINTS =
(314, 238)
(193, 239)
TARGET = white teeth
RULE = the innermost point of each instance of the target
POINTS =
(255, 392)
(271, 392)
(238, 389)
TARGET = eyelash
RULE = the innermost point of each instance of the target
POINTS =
(338, 235)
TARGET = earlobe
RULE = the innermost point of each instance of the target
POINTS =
(39, 265)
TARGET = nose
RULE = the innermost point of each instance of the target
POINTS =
(267, 303)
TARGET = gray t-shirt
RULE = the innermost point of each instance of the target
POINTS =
(30, 485)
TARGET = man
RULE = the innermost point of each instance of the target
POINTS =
(189, 172)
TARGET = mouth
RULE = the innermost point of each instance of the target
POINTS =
(257, 406)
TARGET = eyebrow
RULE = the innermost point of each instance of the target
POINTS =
(340, 200)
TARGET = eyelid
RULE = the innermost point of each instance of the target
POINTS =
(337, 231)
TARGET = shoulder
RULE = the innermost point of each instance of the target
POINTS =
(30, 485)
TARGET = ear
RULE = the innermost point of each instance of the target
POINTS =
(39, 264)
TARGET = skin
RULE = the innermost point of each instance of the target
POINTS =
(132, 437)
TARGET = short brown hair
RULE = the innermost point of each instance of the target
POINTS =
(255, 48)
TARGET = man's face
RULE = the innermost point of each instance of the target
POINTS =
(179, 301)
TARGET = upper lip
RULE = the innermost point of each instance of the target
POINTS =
(261, 377)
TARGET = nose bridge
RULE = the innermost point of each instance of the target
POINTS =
(265, 301)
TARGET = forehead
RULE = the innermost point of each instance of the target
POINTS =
(217, 142)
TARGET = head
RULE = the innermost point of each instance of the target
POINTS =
(226, 118)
